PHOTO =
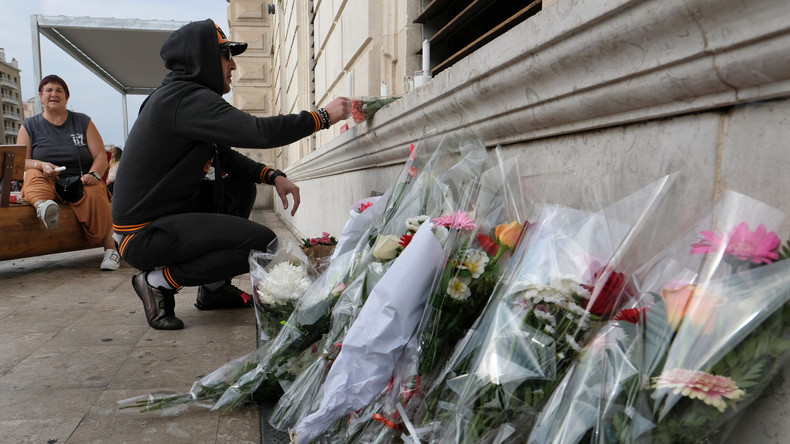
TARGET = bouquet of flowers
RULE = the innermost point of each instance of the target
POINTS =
(560, 282)
(363, 108)
(279, 280)
(433, 191)
(710, 329)
(476, 260)
(299, 396)
(319, 250)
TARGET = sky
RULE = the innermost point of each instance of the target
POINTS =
(89, 94)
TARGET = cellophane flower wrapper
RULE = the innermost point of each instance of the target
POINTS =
(386, 323)
(477, 259)
(300, 342)
(557, 285)
(279, 279)
(362, 215)
(300, 391)
(363, 108)
(202, 394)
(709, 331)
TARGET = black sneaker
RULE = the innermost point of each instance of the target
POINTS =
(158, 304)
(226, 296)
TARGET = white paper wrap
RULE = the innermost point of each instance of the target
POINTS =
(376, 339)
(358, 222)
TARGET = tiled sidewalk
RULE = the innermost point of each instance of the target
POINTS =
(75, 341)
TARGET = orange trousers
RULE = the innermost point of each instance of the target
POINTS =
(93, 210)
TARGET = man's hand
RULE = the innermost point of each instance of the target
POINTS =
(338, 109)
(285, 187)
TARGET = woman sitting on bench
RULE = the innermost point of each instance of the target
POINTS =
(65, 161)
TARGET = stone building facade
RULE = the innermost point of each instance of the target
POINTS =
(584, 87)
(10, 97)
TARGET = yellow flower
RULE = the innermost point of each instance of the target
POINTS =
(458, 288)
(507, 235)
(475, 263)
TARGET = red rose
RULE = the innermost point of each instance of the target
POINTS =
(607, 298)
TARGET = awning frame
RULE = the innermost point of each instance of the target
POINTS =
(118, 40)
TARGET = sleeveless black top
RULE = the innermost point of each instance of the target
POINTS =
(64, 145)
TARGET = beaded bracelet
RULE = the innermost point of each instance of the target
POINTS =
(325, 122)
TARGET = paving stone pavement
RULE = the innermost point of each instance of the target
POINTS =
(75, 341)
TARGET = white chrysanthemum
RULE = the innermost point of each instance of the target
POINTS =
(532, 295)
(546, 316)
(475, 263)
(283, 283)
(569, 286)
(413, 223)
(458, 288)
(575, 308)
(549, 329)
(558, 293)
(572, 343)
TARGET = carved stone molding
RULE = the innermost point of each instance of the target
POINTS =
(582, 65)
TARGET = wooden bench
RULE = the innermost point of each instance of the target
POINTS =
(24, 235)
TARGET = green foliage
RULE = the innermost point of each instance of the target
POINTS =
(784, 251)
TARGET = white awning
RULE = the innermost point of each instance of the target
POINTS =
(122, 52)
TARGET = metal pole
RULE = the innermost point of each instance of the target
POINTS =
(36, 59)
(125, 118)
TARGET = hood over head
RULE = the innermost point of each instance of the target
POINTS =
(192, 53)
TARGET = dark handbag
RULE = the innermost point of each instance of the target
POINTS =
(69, 188)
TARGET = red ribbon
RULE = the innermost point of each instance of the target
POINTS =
(387, 422)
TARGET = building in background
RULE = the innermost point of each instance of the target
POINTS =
(29, 108)
(10, 98)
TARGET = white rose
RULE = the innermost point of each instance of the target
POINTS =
(386, 247)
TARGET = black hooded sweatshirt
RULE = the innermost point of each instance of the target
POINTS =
(183, 126)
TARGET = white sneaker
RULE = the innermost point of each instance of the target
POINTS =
(111, 261)
(49, 211)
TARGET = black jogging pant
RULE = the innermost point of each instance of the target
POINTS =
(204, 247)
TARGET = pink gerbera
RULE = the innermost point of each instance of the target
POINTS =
(708, 388)
(757, 247)
(460, 221)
